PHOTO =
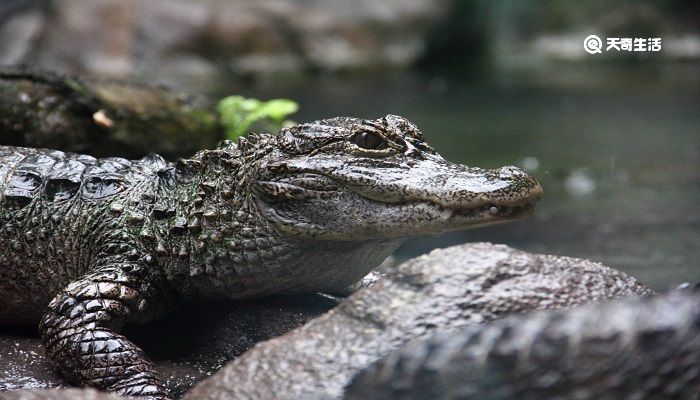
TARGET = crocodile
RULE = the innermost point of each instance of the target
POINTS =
(88, 245)
(634, 348)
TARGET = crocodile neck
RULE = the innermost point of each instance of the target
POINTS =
(216, 244)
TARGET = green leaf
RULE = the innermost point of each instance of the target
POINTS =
(279, 109)
(238, 114)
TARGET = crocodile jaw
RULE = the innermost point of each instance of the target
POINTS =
(430, 196)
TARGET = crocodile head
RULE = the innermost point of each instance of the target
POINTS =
(354, 179)
(319, 205)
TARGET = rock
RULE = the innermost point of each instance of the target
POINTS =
(624, 349)
(24, 364)
(42, 109)
(171, 40)
(447, 289)
(187, 345)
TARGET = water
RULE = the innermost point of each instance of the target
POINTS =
(616, 150)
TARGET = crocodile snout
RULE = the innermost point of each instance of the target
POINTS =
(526, 188)
(511, 171)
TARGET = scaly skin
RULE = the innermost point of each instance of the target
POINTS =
(87, 245)
(626, 349)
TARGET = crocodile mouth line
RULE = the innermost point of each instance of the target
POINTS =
(490, 211)
(486, 212)
(493, 211)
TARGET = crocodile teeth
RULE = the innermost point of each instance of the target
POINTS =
(447, 213)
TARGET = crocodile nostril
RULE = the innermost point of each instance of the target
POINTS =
(510, 172)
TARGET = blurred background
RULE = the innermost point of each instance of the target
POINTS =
(613, 137)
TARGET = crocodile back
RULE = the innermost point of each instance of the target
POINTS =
(53, 206)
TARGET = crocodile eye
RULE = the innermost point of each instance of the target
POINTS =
(369, 141)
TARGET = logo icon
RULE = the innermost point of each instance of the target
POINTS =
(592, 44)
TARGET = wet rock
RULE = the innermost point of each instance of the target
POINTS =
(23, 363)
(624, 349)
(175, 39)
(448, 288)
(187, 345)
(100, 118)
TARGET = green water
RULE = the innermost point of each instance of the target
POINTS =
(617, 152)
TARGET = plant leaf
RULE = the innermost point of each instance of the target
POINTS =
(238, 114)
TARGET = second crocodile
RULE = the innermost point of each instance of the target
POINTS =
(87, 245)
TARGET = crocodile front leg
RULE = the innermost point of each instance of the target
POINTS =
(79, 331)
